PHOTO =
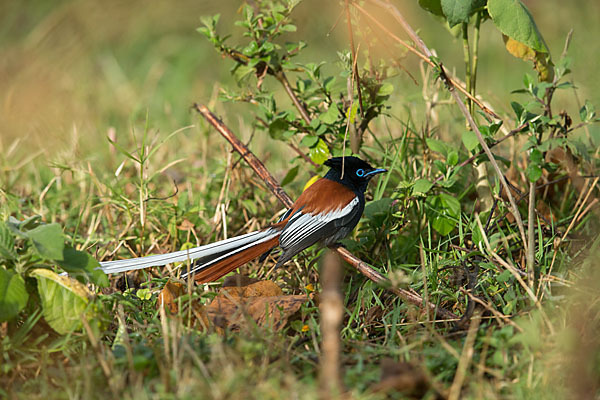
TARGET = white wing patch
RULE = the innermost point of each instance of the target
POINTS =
(302, 225)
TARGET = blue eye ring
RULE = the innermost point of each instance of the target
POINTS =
(360, 172)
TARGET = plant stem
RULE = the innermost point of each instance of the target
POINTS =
(475, 61)
(531, 237)
(280, 75)
(467, 60)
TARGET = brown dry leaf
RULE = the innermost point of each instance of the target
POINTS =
(262, 302)
(168, 296)
(186, 225)
(402, 377)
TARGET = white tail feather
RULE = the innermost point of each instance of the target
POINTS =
(213, 252)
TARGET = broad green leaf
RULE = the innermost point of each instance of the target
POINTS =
(381, 206)
(83, 267)
(452, 158)
(288, 28)
(13, 295)
(331, 115)
(459, 11)
(469, 139)
(533, 172)
(443, 212)
(451, 203)
(421, 187)
(277, 128)
(587, 112)
(7, 243)
(64, 300)
(242, 72)
(309, 140)
(386, 89)
(320, 153)
(48, 240)
(437, 145)
(536, 156)
(433, 6)
(289, 177)
(514, 20)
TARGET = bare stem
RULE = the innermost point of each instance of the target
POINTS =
(531, 236)
(424, 56)
(332, 312)
(280, 75)
(467, 60)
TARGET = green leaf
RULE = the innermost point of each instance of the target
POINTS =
(536, 156)
(459, 11)
(514, 20)
(7, 243)
(587, 112)
(433, 6)
(469, 139)
(451, 203)
(289, 177)
(378, 207)
(13, 295)
(421, 187)
(64, 300)
(533, 172)
(242, 72)
(48, 241)
(437, 145)
(309, 140)
(320, 153)
(386, 89)
(288, 28)
(331, 115)
(443, 212)
(83, 267)
(277, 128)
(452, 158)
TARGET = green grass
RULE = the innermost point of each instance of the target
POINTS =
(80, 71)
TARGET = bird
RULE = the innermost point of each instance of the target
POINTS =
(326, 212)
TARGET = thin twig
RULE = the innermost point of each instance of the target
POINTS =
(354, 57)
(278, 191)
(465, 359)
(280, 75)
(474, 156)
(531, 236)
(423, 57)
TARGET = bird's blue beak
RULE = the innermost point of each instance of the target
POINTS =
(376, 171)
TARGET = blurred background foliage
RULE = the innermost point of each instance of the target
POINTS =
(86, 67)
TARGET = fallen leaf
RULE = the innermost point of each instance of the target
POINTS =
(168, 298)
(262, 302)
(402, 377)
(168, 295)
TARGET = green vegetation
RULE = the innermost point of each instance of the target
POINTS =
(102, 157)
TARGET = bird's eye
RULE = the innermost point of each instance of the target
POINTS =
(360, 172)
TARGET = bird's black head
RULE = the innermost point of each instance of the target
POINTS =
(356, 173)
